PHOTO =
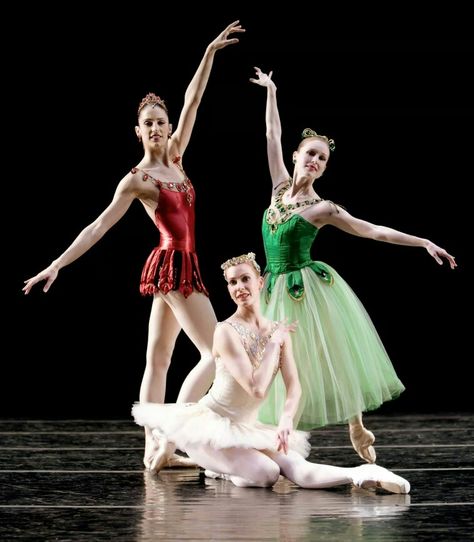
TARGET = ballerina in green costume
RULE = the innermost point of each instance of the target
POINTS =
(343, 366)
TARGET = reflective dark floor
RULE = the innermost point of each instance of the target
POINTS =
(83, 480)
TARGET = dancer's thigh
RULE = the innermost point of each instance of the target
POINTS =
(242, 462)
(196, 317)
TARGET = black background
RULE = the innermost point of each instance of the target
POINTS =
(399, 106)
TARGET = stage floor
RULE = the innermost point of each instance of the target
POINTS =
(71, 480)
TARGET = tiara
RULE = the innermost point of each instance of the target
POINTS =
(308, 132)
(152, 99)
(244, 258)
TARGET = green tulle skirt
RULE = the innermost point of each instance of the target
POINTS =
(343, 366)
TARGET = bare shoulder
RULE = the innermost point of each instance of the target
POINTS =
(133, 183)
(222, 330)
(328, 208)
(222, 336)
(130, 179)
(323, 212)
(226, 334)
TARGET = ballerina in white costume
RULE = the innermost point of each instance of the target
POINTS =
(221, 432)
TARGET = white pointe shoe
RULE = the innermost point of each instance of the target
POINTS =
(373, 476)
(180, 462)
(362, 440)
(162, 453)
(152, 448)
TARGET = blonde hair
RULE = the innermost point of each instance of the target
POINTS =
(243, 258)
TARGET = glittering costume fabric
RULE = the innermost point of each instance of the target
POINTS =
(343, 366)
(226, 417)
(173, 264)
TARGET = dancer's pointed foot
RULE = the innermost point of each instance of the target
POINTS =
(152, 447)
(180, 461)
(157, 452)
(362, 440)
(374, 476)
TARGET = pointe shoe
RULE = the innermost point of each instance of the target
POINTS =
(161, 453)
(374, 476)
(362, 441)
(152, 447)
(180, 461)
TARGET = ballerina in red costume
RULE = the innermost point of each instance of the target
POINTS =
(171, 273)
(173, 264)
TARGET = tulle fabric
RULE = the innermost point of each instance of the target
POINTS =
(191, 424)
(343, 366)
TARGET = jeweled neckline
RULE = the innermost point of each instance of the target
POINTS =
(251, 330)
(181, 186)
(254, 343)
(280, 212)
(147, 175)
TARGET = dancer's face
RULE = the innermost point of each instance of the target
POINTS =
(244, 284)
(311, 158)
(153, 126)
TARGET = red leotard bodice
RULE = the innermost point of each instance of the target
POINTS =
(173, 264)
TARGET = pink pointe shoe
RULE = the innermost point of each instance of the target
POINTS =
(159, 456)
(362, 441)
(177, 461)
(373, 476)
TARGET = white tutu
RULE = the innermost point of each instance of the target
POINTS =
(191, 424)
